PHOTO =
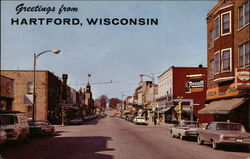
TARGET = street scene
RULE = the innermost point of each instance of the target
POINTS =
(121, 80)
(113, 137)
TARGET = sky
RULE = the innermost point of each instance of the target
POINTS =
(108, 52)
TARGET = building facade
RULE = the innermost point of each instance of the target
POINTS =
(51, 94)
(186, 85)
(6, 93)
(228, 59)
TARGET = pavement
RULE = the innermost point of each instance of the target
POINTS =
(115, 138)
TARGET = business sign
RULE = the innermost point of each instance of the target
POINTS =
(223, 91)
(7, 89)
(196, 84)
(242, 78)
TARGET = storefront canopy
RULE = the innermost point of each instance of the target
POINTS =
(222, 106)
(164, 110)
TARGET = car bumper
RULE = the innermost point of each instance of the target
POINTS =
(191, 134)
(234, 142)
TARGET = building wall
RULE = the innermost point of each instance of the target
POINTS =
(20, 90)
(237, 37)
(223, 85)
(165, 83)
(180, 79)
(6, 93)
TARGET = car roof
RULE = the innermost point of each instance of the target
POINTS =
(223, 122)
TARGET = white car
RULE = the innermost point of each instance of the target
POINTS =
(139, 120)
(15, 125)
(3, 136)
(185, 129)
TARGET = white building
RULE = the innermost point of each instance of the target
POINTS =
(165, 87)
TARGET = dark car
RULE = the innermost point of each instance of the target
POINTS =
(41, 127)
(224, 133)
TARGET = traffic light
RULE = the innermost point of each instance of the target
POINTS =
(179, 110)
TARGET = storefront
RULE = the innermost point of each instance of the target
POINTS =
(230, 102)
(7, 93)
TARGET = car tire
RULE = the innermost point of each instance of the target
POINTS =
(172, 134)
(199, 140)
(181, 137)
(215, 145)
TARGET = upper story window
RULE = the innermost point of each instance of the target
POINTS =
(217, 27)
(244, 55)
(211, 69)
(226, 60)
(217, 62)
(211, 39)
(226, 23)
(244, 14)
(29, 89)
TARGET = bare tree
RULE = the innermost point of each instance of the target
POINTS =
(103, 101)
(113, 102)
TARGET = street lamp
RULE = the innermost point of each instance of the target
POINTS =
(34, 78)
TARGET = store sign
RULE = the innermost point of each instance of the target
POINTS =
(224, 91)
(242, 78)
(7, 87)
(196, 84)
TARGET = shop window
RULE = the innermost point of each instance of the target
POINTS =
(244, 14)
(217, 63)
(244, 55)
(226, 23)
(217, 27)
(226, 60)
(29, 88)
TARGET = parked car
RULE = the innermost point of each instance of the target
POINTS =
(15, 125)
(139, 120)
(131, 118)
(223, 133)
(76, 121)
(3, 136)
(41, 127)
(185, 129)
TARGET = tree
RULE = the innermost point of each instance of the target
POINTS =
(113, 102)
(103, 101)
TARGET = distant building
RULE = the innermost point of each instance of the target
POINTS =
(88, 100)
(228, 58)
(186, 84)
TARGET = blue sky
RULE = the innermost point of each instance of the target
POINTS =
(117, 53)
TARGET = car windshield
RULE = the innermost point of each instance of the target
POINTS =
(140, 118)
(191, 124)
(230, 127)
(7, 120)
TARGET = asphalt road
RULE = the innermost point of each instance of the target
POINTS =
(115, 138)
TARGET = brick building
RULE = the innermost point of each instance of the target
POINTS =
(228, 56)
(6, 93)
(51, 94)
(185, 84)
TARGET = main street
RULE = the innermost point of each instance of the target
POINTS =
(115, 138)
